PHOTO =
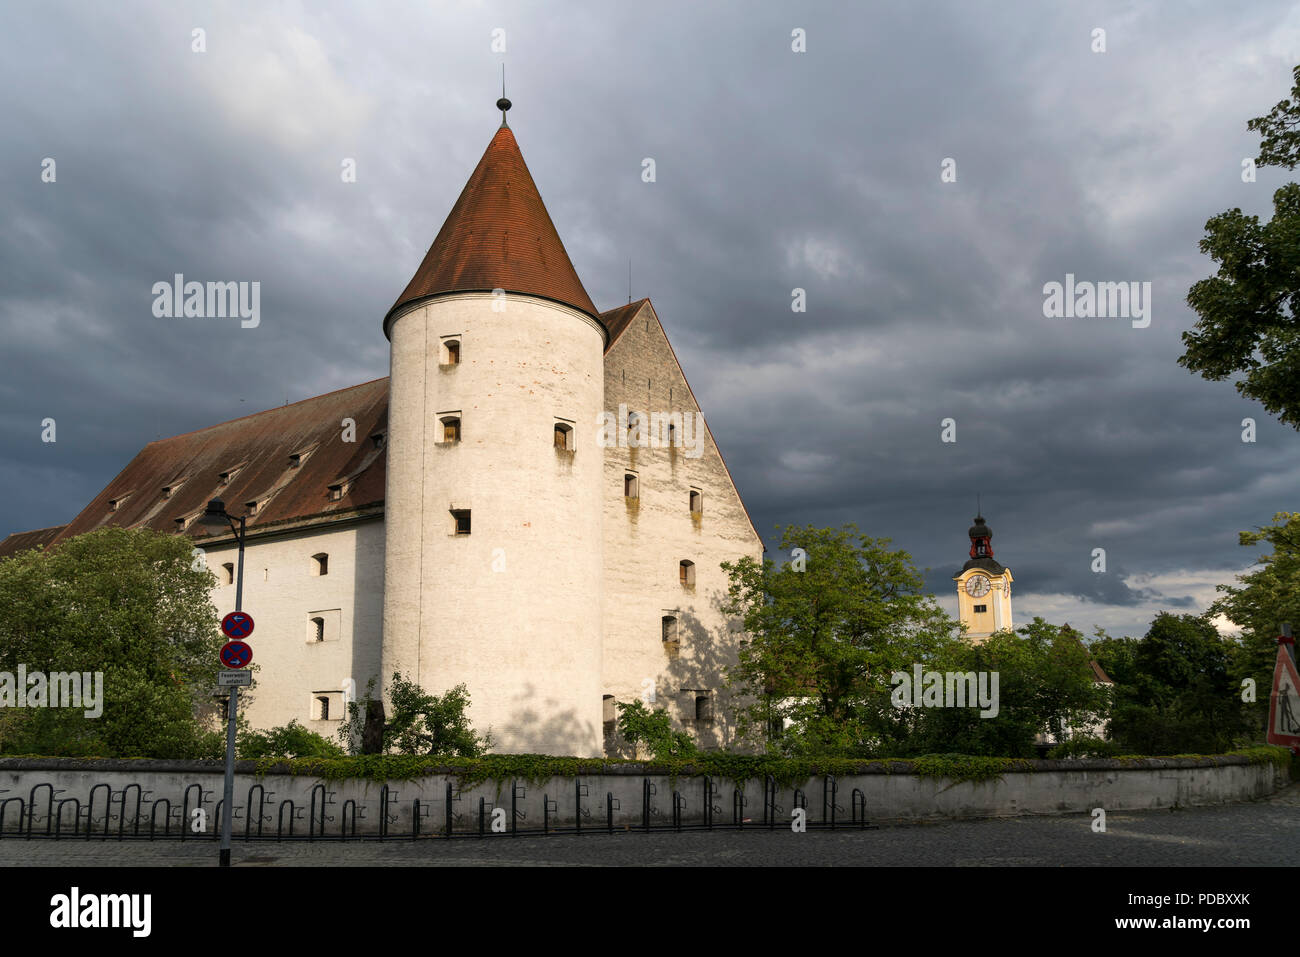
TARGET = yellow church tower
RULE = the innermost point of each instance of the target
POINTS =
(983, 587)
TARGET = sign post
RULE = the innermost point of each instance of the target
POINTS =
(237, 625)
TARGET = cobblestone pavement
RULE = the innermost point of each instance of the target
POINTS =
(1265, 832)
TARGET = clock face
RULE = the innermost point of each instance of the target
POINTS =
(977, 586)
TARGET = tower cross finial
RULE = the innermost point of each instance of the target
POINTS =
(503, 104)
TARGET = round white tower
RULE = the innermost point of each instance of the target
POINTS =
(493, 552)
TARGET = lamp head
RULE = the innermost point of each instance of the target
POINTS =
(215, 518)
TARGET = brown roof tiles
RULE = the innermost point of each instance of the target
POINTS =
(498, 236)
(257, 450)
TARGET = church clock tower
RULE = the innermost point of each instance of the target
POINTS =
(983, 587)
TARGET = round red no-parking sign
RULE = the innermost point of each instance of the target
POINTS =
(238, 624)
(236, 654)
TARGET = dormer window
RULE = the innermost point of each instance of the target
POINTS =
(167, 491)
(378, 439)
(299, 458)
(113, 503)
(336, 492)
(227, 475)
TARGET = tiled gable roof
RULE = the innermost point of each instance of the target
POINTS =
(255, 454)
(22, 541)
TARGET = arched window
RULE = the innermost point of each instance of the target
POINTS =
(320, 564)
(686, 573)
(669, 625)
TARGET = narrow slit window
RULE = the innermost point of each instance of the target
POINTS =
(686, 573)
(631, 486)
(228, 570)
(697, 502)
(318, 629)
(323, 704)
(320, 564)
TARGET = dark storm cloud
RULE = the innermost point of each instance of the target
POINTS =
(775, 170)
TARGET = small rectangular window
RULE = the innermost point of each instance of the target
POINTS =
(697, 501)
(460, 521)
(631, 486)
(981, 608)
(704, 707)
(669, 626)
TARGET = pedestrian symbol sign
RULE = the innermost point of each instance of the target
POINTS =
(238, 624)
(1284, 702)
(236, 654)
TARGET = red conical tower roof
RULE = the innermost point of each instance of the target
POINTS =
(498, 236)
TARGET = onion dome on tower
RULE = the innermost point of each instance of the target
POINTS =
(981, 548)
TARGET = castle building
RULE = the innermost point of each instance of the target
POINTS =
(530, 504)
(983, 587)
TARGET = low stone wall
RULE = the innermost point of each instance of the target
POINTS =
(168, 792)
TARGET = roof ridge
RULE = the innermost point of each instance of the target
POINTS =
(277, 408)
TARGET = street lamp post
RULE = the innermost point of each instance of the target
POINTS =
(216, 518)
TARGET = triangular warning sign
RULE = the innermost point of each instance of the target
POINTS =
(1284, 702)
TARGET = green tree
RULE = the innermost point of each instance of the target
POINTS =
(826, 631)
(640, 725)
(1045, 684)
(131, 604)
(1175, 692)
(421, 723)
(1259, 603)
(287, 741)
(1249, 319)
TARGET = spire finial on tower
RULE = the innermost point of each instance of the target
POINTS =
(503, 104)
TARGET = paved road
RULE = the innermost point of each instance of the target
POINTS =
(1265, 832)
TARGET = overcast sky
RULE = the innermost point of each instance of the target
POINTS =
(774, 170)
